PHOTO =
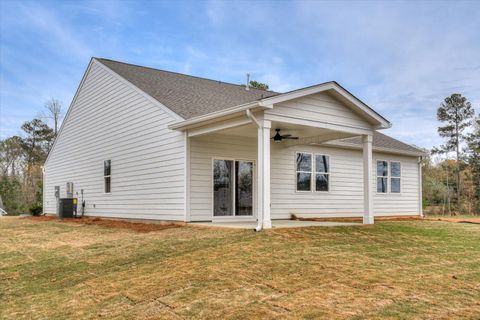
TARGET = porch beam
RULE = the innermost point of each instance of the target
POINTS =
(316, 124)
(367, 179)
(318, 139)
(263, 174)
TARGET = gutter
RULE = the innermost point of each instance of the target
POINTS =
(420, 187)
(259, 226)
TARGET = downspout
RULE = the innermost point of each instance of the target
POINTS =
(259, 211)
(420, 186)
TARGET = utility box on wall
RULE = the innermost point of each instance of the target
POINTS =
(69, 189)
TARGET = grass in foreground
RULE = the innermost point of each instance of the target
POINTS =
(412, 269)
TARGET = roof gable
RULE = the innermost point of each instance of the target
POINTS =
(340, 93)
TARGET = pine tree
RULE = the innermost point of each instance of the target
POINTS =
(473, 150)
(457, 113)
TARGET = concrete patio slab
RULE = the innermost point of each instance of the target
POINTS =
(276, 224)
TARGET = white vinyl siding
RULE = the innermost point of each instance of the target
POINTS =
(320, 107)
(345, 196)
(111, 120)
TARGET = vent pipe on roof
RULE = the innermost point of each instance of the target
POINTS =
(247, 85)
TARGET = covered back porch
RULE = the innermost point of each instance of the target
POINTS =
(242, 138)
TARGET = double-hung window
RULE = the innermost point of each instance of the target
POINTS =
(304, 171)
(321, 172)
(389, 173)
(382, 176)
(395, 176)
(313, 172)
(107, 170)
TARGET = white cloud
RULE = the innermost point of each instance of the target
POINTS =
(402, 58)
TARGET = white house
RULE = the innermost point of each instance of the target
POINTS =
(149, 144)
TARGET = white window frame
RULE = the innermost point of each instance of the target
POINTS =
(313, 173)
(399, 178)
(107, 176)
(377, 176)
(297, 171)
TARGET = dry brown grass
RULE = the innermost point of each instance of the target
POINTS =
(393, 270)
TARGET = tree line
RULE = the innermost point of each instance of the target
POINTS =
(451, 174)
(22, 158)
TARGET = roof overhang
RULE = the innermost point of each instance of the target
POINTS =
(378, 121)
(200, 120)
(347, 145)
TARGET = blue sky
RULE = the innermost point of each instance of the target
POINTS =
(401, 58)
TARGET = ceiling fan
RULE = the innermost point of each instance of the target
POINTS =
(278, 137)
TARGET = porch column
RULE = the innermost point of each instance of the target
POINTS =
(263, 174)
(367, 179)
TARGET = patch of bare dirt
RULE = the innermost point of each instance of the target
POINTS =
(111, 223)
(457, 220)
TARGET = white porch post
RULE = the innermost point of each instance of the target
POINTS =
(367, 179)
(263, 174)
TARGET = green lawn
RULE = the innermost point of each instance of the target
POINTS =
(396, 270)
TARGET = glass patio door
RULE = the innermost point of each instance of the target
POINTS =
(232, 188)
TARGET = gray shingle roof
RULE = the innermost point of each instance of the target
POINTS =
(381, 142)
(187, 96)
(190, 96)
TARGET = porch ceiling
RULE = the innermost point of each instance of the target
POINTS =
(306, 134)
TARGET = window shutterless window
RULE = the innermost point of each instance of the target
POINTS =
(107, 170)
(395, 177)
(304, 171)
(382, 176)
(322, 172)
